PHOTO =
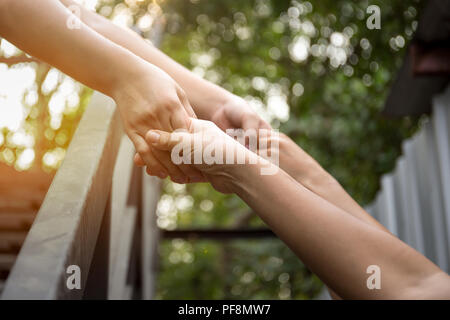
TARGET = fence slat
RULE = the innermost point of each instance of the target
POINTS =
(67, 226)
(118, 284)
(400, 194)
(441, 125)
(413, 201)
(121, 218)
(150, 234)
(388, 204)
(440, 239)
(422, 167)
(98, 278)
(407, 206)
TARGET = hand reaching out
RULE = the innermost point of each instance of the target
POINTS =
(207, 148)
(234, 114)
(153, 100)
(237, 114)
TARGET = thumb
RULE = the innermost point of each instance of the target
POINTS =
(163, 140)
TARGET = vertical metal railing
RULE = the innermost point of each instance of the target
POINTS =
(414, 200)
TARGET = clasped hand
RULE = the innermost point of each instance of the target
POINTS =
(152, 100)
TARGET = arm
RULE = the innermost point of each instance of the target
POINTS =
(335, 245)
(76, 52)
(307, 171)
(145, 95)
(209, 101)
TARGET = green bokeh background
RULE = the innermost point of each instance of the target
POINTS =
(334, 114)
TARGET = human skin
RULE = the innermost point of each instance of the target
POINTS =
(146, 96)
(208, 100)
(336, 245)
(307, 171)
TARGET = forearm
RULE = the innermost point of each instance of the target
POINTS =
(40, 29)
(204, 96)
(334, 245)
(307, 171)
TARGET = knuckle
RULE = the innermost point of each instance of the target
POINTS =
(164, 139)
(171, 103)
(247, 116)
(151, 171)
(143, 148)
(147, 116)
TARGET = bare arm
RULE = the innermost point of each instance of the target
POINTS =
(307, 171)
(209, 101)
(204, 96)
(335, 245)
(81, 53)
(146, 96)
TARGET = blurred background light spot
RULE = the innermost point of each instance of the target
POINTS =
(299, 48)
(25, 159)
(8, 49)
(206, 205)
(298, 89)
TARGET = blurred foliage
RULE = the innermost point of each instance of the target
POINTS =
(335, 90)
(334, 111)
(317, 59)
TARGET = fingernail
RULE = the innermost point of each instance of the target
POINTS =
(162, 175)
(153, 136)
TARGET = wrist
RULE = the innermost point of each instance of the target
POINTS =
(125, 74)
(243, 177)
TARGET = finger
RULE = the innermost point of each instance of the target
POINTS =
(154, 167)
(138, 160)
(164, 117)
(186, 104)
(163, 140)
(224, 124)
(250, 121)
(176, 174)
(250, 127)
(167, 141)
(179, 119)
(193, 174)
(235, 116)
(254, 122)
(264, 125)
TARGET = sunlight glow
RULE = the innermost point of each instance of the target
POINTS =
(21, 139)
(88, 4)
(278, 107)
(25, 159)
(299, 49)
(14, 82)
(52, 159)
(8, 49)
